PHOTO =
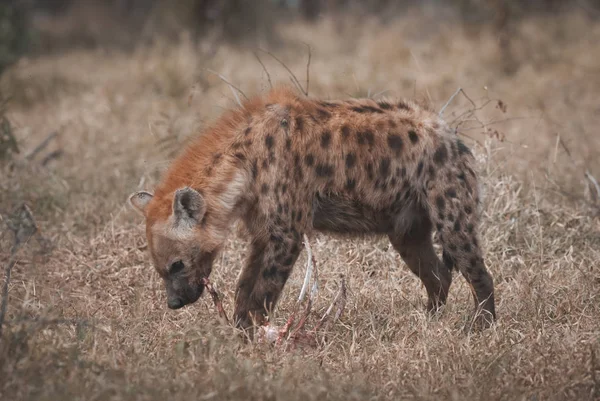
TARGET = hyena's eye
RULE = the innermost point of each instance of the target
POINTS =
(176, 267)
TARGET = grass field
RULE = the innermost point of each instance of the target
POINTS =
(87, 316)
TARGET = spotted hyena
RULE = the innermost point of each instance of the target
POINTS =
(287, 165)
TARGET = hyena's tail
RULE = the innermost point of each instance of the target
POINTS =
(453, 202)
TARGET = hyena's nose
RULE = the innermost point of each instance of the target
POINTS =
(175, 303)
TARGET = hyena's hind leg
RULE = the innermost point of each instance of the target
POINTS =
(411, 237)
(454, 211)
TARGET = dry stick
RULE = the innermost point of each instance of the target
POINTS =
(231, 86)
(264, 69)
(41, 146)
(292, 75)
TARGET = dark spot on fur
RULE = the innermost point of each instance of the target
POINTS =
(265, 163)
(288, 143)
(350, 160)
(370, 170)
(467, 247)
(462, 148)
(395, 142)
(299, 123)
(393, 182)
(325, 139)
(283, 188)
(420, 168)
(324, 170)
(299, 216)
(441, 154)
(345, 132)
(474, 261)
(440, 202)
(276, 238)
(247, 131)
(431, 171)
(309, 159)
(412, 135)
(240, 156)
(439, 226)
(452, 247)
(350, 184)
(365, 137)
(269, 141)
(470, 228)
(450, 217)
(468, 209)
(254, 169)
(384, 167)
(264, 189)
(280, 208)
(392, 124)
(457, 226)
(323, 114)
(403, 172)
(450, 193)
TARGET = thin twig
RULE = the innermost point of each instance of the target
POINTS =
(41, 146)
(231, 86)
(292, 75)
(594, 182)
(264, 69)
(51, 156)
(449, 101)
(308, 69)
(340, 300)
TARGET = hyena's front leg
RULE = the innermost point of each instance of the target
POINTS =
(262, 279)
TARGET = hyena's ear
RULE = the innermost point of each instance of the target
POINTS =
(188, 206)
(140, 200)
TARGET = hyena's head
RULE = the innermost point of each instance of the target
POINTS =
(179, 242)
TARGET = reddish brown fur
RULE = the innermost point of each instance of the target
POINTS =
(286, 165)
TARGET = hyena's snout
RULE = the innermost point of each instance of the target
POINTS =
(181, 293)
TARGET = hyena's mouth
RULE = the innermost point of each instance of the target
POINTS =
(191, 295)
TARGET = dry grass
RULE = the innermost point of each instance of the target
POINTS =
(89, 321)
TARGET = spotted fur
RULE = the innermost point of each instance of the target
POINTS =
(287, 165)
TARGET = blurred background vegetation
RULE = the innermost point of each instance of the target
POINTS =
(42, 26)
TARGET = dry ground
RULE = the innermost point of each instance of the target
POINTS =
(88, 319)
